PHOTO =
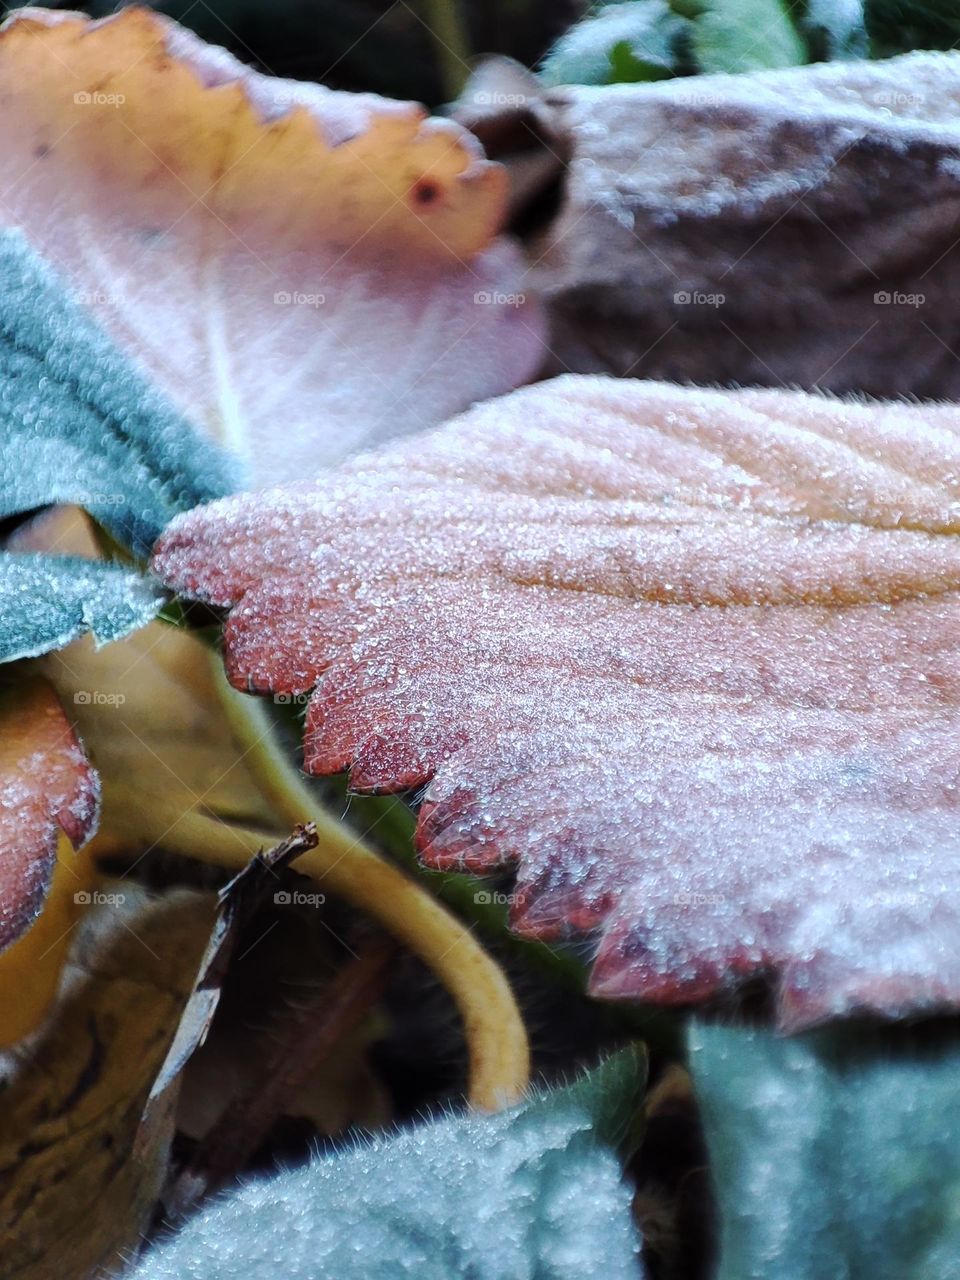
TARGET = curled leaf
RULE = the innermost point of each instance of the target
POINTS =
(688, 660)
(752, 229)
(268, 251)
(87, 1107)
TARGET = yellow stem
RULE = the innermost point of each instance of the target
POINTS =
(345, 864)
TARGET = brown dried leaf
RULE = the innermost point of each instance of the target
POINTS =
(81, 1168)
(790, 227)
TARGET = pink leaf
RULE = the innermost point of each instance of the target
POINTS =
(688, 659)
(303, 271)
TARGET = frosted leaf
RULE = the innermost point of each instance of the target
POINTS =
(46, 601)
(532, 1192)
(832, 1156)
(301, 270)
(46, 786)
(79, 426)
(687, 659)
(650, 30)
(750, 229)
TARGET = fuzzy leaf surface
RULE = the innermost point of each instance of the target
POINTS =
(79, 426)
(688, 660)
(532, 1192)
(832, 1158)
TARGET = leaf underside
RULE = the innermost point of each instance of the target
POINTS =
(302, 271)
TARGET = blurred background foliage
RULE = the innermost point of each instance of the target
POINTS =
(422, 49)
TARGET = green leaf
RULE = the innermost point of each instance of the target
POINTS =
(627, 68)
(79, 425)
(833, 1157)
(835, 30)
(634, 41)
(746, 35)
(532, 1192)
(47, 601)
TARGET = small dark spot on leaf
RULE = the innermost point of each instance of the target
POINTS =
(41, 151)
(426, 192)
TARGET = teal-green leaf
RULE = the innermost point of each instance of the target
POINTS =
(834, 1157)
(79, 425)
(746, 35)
(535, 1193)
(835, 30)
(46, 601)
(639, 40)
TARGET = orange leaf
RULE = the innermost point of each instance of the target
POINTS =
(689, 659)
(46, 786)
(302, 270)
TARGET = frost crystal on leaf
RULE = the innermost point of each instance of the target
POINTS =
(533, 1192)
(687, 659)
(46, 786)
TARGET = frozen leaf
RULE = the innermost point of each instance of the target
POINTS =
(642, 32)
(745, 35)
(46, 601)
(83, 1156)
(148, 712)
(688, 659)
(751, 229)
(535, 1191)
(832, 1157)
(301, 270)
(79, 426)
(46, 786)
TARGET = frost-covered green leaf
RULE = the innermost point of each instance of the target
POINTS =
(47, 601)
(535, 1193)
(639, 40)
(79, 425)
(746, 35)
(835, 29)
(833, 1157)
